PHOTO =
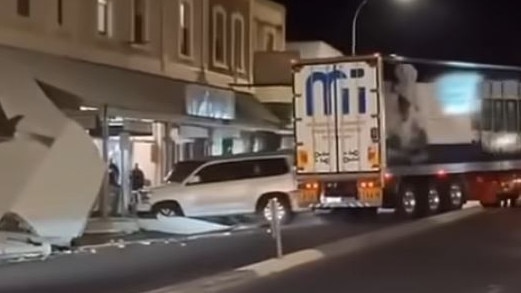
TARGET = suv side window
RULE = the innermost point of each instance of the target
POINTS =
(270, 167)
(226, 171)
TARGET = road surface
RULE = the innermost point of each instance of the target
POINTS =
(139, 267)
(481, 254)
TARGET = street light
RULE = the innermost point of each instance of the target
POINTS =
(355, 21)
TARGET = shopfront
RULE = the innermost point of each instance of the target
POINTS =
(150, 120)
(217, 107)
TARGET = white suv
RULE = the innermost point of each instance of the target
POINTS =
(226, 186)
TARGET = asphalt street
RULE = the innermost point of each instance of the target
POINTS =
(144, 267)
(481, 254)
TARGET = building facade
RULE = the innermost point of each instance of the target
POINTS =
(171, 78)
(273, 79)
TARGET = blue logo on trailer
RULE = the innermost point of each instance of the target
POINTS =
(328, 80)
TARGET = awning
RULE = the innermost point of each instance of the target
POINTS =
(252, 111)
(71, 83)
(96, 85)
(284, 111)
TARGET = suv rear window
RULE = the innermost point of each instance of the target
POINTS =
(271, 167)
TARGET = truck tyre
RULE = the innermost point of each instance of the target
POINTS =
(430, 201)
(454, 197)
(407, 202)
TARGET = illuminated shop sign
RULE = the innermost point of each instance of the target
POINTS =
(209, 102)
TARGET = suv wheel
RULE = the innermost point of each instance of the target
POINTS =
(168, 210)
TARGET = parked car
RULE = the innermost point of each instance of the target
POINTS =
(227, 186)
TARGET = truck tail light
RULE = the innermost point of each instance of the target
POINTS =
(311, 185)
(441, 173)
(368, 184)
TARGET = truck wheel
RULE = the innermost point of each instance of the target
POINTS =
(430, 203)
(454, 197)
(407, 202)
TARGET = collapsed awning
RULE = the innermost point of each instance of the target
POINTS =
(51, 171)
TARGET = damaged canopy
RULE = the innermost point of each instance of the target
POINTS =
(50, 170)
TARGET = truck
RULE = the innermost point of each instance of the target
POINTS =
(416, 135)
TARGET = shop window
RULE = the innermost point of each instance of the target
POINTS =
(487, 115)
(227, 144)
(140, 21)
(270, 41)
(200, 148)
(23, 8)
(511, 116)
(103, 16)
(518, 114)
(499, 115)
(59, 12)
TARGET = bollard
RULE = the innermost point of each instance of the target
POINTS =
(275, 226)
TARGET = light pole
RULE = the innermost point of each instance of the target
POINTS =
(355, 22)
(353, 26)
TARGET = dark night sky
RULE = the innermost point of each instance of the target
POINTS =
(485, 31)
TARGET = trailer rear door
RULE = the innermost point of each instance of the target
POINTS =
(337, 119)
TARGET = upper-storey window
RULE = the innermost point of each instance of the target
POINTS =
(139, 29)
(186, 28)
(23, 7)
(219, 36)
(270, 41)
(59, 12)
(238, 41)
(103, 16)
